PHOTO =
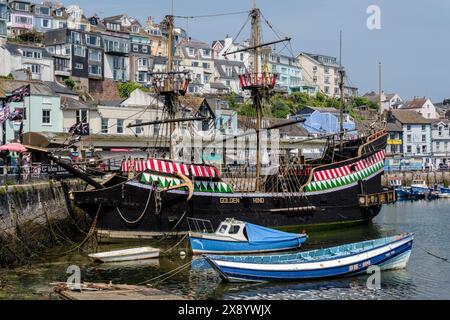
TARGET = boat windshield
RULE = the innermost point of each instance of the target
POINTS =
(222, 229)
(234, 229)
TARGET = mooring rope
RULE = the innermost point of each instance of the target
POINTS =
(170, 273)
(141, 215)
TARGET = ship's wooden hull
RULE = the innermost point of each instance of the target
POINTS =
(332, 195)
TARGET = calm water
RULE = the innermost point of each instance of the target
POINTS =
(425, 278)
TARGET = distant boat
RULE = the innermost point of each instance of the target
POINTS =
(126, 255)
(401, 192)
(346, 260)
(235, 236)
(419, 188)
(445, 190)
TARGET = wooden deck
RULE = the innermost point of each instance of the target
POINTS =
(101, 291)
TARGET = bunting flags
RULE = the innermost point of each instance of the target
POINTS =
(19, 94)
(80, 129)
(5, 112)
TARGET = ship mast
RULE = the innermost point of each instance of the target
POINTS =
(256, 35)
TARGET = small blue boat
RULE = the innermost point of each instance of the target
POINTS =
(420, 188)
(346, 260)
(235, 236)
(445, 190)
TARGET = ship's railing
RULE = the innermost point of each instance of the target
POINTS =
(252, 80)
(200, 225)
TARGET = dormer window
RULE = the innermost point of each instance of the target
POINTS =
(135, 29)
(113, 26)
(44, 11)
(58, 13)
(22, 6)
(191, 51)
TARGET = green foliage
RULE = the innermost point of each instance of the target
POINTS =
(70, 83)
(8, 77)
(126, 88)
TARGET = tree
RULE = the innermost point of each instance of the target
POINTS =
(126, 88)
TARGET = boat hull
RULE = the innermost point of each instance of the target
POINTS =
(119, 208)
(211, 246)
(392, 256)
(126, 255)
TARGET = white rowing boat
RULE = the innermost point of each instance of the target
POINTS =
(126, 255)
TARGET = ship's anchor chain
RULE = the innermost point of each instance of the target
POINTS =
(141, 216)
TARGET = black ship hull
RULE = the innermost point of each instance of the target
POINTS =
(122, 208)
(331, 194)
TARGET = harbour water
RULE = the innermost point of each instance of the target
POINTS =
(427, 277)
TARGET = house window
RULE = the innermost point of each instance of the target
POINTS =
(82, 116)
(119, 125)
(93, 40)
(79, 66)
(409, 138)
(191, 51)
(424, 138)
(59, 13)
(79, 51)
(205, 65)
(95, 55)
(135, 48)
(32, 54)
(145, 49)
(438, 146)
(34, 68)
(408, 127)
(409, 149)
(424, 149)
(143, 62)
(22, 6)
(139, 130)
(44, 11)
(46, 116)
(104, 126)
(135, 29)
(75, 37)
(45, 23)
(96, 70)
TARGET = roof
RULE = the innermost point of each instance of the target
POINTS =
(110, 103)
(60, 88)
(227, 63)
(68, 103)
(395, 126)
(195, 103)
(14, 49)
(293, 130)
(409, 117)
(38, 88)
(416, 103)
(308, 109)
(194, 44)
(218, 86)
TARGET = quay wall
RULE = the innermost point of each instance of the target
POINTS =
(35, 217)
(431, 178)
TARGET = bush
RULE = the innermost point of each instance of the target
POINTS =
(70, 83)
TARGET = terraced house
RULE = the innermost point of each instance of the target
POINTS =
(288, 70)
(116, 46)
(34, 62)
(43, 20)
(198, 59)
(4, 16)
(21, 18)
(76, 53)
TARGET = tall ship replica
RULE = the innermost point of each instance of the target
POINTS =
(165, 196)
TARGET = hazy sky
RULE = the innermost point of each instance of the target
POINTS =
(413, 43)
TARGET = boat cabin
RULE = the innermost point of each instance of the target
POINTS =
(419, 183)
(232, 228)
(395, 183)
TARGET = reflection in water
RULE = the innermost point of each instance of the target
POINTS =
(425, 278)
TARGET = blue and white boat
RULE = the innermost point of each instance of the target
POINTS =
(419, 188)
(235, 236)
(445, 193)
(346, 260)
(445, 190)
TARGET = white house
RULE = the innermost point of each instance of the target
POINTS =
(440, 131)
(417, 146)
(389, 101)
(18, 57)
(423, 106)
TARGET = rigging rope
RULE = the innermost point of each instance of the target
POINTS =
(141, 215)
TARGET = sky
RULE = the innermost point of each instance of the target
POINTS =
(413, 43)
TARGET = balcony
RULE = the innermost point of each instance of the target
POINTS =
(118, 50)
(64, 72)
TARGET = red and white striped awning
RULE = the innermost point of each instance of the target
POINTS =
(340, 172)
(201, 171)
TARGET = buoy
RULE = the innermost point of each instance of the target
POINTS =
(182, 254)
